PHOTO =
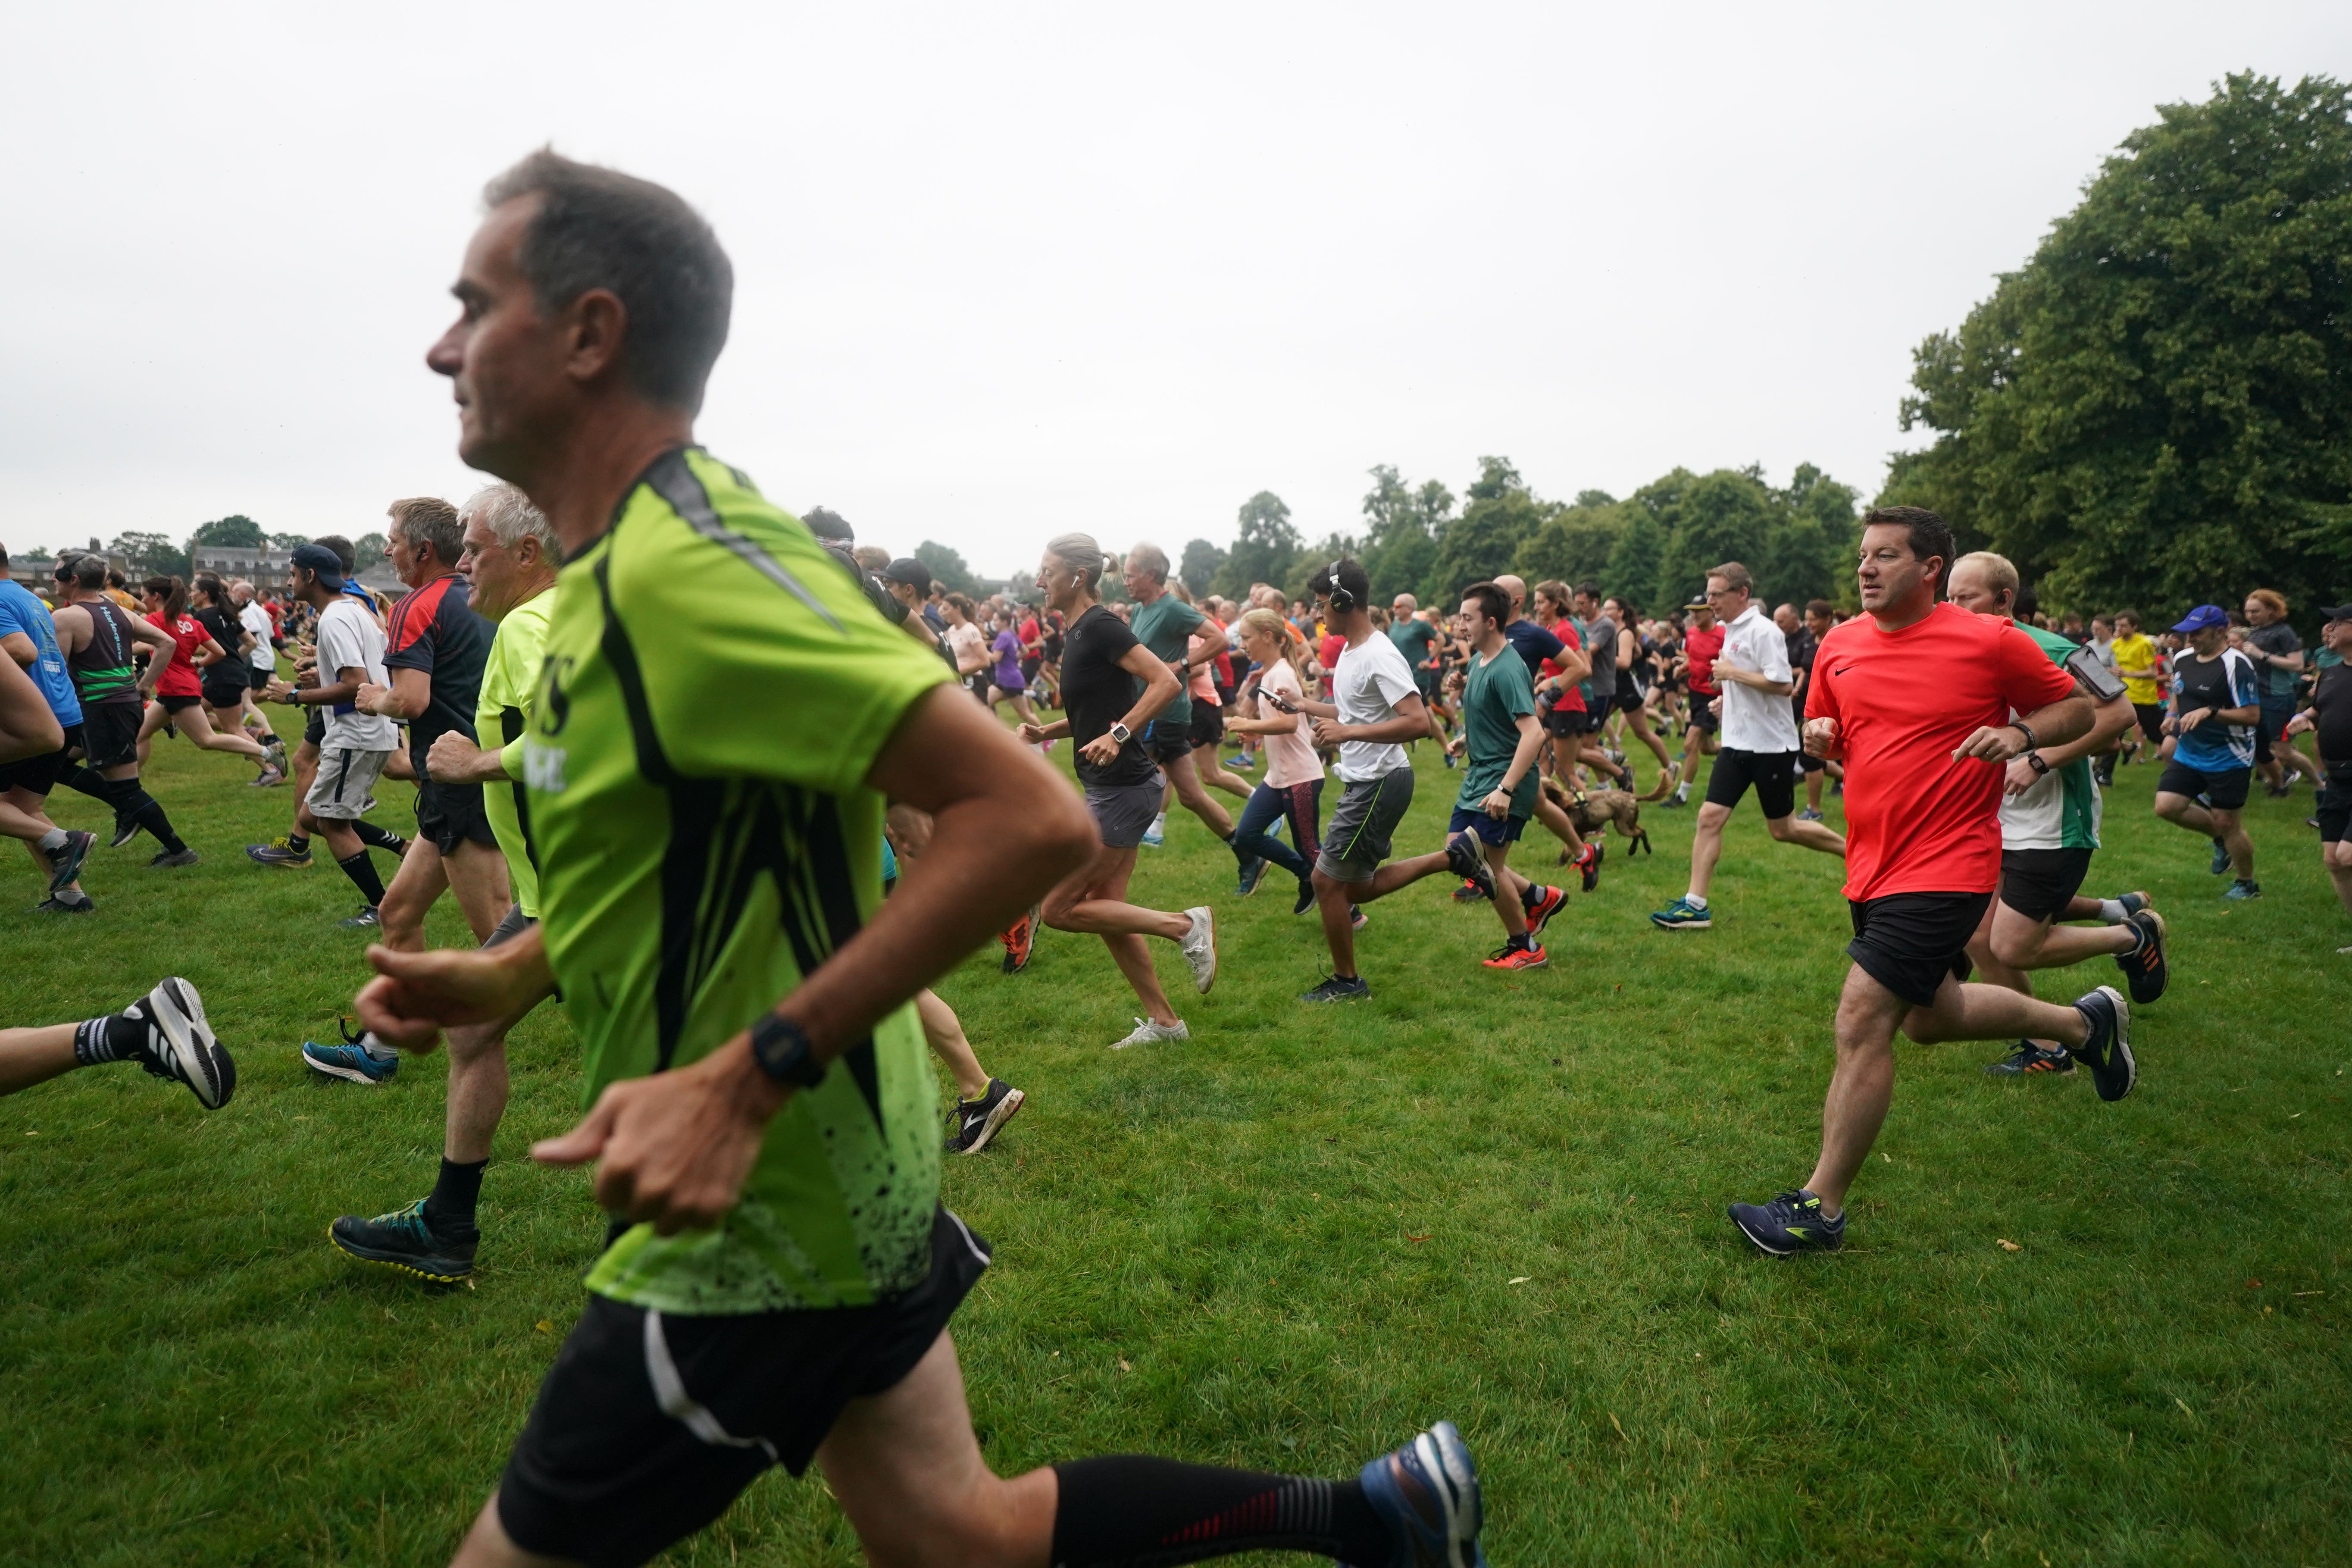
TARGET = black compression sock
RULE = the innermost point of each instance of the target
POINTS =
(117, 1037)
(375, 837)
(1128, 1511)
(454, 1196)
(148, 812)
(361, 871)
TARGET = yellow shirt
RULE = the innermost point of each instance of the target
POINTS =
(2135, 662)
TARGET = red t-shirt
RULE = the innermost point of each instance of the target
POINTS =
(1571, 696)
(179, 677)
(1917, 821)
(1700, 648)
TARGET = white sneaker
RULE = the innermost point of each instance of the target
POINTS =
(1147, 1032)
(1200, 947)
(1155, 835)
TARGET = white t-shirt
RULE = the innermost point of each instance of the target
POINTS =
(1371, 680)
(255, 619)
(1753, 721)
(349, 639)
(1290, 756)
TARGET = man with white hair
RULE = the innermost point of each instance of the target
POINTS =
(507, 563)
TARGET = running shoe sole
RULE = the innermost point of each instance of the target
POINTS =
(1005, 1110)
(1469, 863)
(2119, 1051)
(192, 1053)
(415, 1267)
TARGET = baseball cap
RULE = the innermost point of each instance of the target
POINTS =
(910, 571)
(1699, 601)
(320, 559)
(2204, 617)
(2335, 611)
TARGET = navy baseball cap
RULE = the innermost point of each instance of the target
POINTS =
(2204, 617)
(320, 559)
(2335, 613)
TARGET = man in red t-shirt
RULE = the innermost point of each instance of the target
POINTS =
(1914, 696)
(1702, 643)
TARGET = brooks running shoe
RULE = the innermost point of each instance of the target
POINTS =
(1462, 853)
(978, 1120)
(1791, 1222)
(405, 1239)
(277, 852)
(2108, 1050)
(1510, 957)
(181, 1045)
(1427, 1494)
(1545, 903)
(65, 860)
(2029, 1057)
(2145, 973)
(1337, 988)
(1682, 915)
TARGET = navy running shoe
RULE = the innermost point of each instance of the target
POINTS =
(1791, 1222)
(406, 1239)
(2220, 861)
(65, 860)
(2107, 1050)
(1336, 988)
(2145, 969)
(1253, 873)
(1427, 1494)
(2030, 1057)
(1462, 855)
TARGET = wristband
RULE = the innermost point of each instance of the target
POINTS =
(2026, 730)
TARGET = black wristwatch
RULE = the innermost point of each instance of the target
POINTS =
(784, 1052)
(2019, 726)
(2033, 760)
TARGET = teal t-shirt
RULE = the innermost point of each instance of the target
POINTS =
(1412, 639)
(1165, 627)
(1500, 690)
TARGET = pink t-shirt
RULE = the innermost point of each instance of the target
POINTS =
(1290, 756)
(1204, 680)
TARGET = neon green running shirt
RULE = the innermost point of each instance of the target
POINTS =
(714, 691)
(501, 714)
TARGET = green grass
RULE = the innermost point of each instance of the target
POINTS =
(1285, 1243)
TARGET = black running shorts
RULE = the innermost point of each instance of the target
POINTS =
(1208, 726)
(1774, 775)
(110, 734)
(2334, 811)
(1168, 743)
(450, 815)
(2152, 721)
(1909, 942)
(39, 776)
(224, 695)
(173, 703)
(1563, 722)
(648, 1426)
(2040, 883)
(1703, 719)
(1630, 701)
(2225, 790)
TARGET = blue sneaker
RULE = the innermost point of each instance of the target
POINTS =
(1427, 1494)
(1253, 873)
(1243, 760)
(1791, 1222)
(1682, 915)
(2243, 889)
(2220, 861)
(1157, 833)
(1809, 814)
(351, 1061)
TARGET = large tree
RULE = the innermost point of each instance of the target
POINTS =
(1199, 567)
(149, 552)
(1498, 515)
(2158, 408)
(1401, 523)
(1264, 550)
(948, 566)
(236, 532)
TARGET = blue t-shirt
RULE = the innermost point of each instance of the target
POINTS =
(21, 612)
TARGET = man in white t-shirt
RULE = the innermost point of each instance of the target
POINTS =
(356, 745)
(1375, 708)
(1760, 744)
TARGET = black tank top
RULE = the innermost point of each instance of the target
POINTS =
(101, 668)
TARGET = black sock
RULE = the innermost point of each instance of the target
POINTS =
(299, 842)
(1132, 1511)
(148, 812)
(375, 837)
(361, 871)
(451, 1205)
(117, 1037)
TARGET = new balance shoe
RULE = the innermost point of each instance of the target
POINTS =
(1253, 872)
(2220, 864)
(170, 858)
(406, 1239)
(1427, 1493)
(1512, 956)
(1149, 1033)
(65, 860)
(350, 1061)
(1200, 945)
(2145, 973)
(368, 919)
(2241, 890)
(2108, 1050)
(1546, 903)
(978, 1120)
(2029, 1057)
(278, 852)
(181, 1045)
(1682, 915)
(1337, 988)
(1462, 853)
(1791, 1222)
(1020, 940)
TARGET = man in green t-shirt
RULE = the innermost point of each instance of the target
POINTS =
(1164, 623)
(718, 719)
(508, 564)
(1420, 642)
(1500, 740)
(2049, 827)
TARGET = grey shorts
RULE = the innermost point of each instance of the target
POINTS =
(1364, 825)
(1123, 811)
(345, 777)
(511, 924)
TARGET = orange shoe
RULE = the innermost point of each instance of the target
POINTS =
(1019, 939)
(1549, 902)
(1528, 957)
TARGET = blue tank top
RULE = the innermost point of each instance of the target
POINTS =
(21, 612)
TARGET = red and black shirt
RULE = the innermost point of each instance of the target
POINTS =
(435, 629)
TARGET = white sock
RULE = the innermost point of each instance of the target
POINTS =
(2112, 910)
(1159, 822)
(1696, 901)
(55, 839)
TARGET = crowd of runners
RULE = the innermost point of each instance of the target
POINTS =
(678, 760)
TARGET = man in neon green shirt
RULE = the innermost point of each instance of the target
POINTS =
(719, 716)
(508, 564)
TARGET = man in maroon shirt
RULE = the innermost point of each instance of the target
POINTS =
(1915, 697)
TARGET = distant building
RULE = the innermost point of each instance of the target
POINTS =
(263, 565)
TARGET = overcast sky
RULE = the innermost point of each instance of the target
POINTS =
(1005, 270)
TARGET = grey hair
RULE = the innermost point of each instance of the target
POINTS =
(508, 513)
(1081, 554)
(1150, 560)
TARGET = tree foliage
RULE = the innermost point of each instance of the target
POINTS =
(1199, 567)
(149, 552)
(2158, 408)
(236, 531)
(1265, 549)
(369, 550)
(949, 568)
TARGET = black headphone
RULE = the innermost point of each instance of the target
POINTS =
(1341, 600)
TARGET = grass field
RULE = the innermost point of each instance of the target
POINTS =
(1287, 1244)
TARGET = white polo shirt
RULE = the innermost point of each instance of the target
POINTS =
(1753, 721)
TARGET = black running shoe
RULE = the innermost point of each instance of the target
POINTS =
(2030, 1057)
(1791, 1222)
(405, 1239)
(2107, 1051)
(125, 829)
(1462, 853)
(2145, 969)
(1588, 866)
(172, 858)
(179, 1043)
(1468, 893)
(2134, 903)
(1306, 897)
(65, 860)
(1337, 989)
(59, 904)
(978, 1120)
